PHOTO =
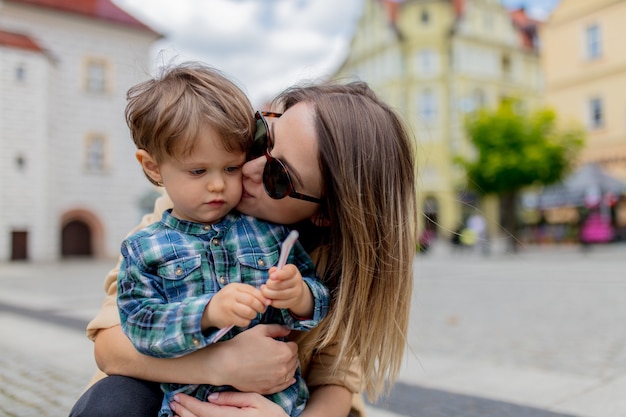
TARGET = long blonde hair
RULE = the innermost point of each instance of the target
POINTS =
(367, 161)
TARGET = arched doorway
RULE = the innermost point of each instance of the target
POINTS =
(81, 234)
(76, 239)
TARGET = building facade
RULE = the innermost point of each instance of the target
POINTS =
(69, 183)
(584, 64)
(436, 61)
(585, 74)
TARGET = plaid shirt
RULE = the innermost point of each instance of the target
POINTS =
(171, 270)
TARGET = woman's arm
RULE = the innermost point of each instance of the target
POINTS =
(233, 362)
(328, 401)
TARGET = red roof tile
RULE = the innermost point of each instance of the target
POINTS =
(98, 9)
(526, 26)
(459, 7)
(17, 40)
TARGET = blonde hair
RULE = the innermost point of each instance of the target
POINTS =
(166, 114)
(367, 161)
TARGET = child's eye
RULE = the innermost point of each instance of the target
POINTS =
(197, 172)
(232, 169)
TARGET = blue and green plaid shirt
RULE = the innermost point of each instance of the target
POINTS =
(171, 270)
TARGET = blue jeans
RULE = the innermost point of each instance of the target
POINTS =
(119, 396)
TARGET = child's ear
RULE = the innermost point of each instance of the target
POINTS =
(149, 165)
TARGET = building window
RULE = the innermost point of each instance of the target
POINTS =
(427, 106)
(593, 42)
(475, 101)
(96, 75)
(95, 153)
(427, 62)
(20, 162)
(506, 65)
(479, 98)
(596, 113)
(488, 21)
(20, 72)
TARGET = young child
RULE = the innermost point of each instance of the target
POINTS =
(205, 267)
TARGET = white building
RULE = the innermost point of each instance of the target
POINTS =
(69, 182)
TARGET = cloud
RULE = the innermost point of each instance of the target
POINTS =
(265, 45)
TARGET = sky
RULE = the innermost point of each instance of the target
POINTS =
(263, 45)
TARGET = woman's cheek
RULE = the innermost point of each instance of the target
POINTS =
(282, 211)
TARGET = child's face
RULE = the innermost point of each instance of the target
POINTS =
(205, 185)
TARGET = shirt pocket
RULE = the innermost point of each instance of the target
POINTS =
(254, 265)
(182, 277)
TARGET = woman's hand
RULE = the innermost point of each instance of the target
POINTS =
(254, 362)
(226, 404)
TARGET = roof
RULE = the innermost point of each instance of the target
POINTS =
(17, 40)
(97, 9)
(526, 26)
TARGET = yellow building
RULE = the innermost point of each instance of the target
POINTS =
(436, 61)
(584, 61)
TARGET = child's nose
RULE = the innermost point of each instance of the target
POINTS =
(216, 183)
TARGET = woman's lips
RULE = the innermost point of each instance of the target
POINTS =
(245, 193)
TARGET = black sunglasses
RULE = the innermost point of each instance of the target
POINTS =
(276, 178)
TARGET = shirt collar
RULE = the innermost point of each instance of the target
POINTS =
(192, 228)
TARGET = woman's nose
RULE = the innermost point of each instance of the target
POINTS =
(253, 169)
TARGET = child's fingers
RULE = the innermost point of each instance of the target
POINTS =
(282, 294)
(287, 272)
(252, 299)
(280, 285)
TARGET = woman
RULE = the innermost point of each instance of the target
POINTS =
(346, 149)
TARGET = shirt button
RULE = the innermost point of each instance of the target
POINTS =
(207, 227)
(260, 262)
(196, 342)
(215, 241)
(179, 271)
(222, 280)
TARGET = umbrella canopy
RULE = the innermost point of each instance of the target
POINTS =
(588, 184)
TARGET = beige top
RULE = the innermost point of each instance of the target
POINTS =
(315, 364)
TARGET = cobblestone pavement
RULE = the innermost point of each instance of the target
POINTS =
(557, 310)
(535, 334)
(32, 388)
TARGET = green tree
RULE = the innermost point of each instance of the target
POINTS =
(516, 149)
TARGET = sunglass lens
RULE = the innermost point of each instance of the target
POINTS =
(259, 144)
(275, 179)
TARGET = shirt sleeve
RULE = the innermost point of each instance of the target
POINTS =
(155, 325)
(319, 292)
(108, 316)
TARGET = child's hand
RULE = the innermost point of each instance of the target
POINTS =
(235, 304)
(286, 289)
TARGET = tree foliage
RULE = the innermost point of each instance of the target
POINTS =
(514, 150)
(517, 149)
